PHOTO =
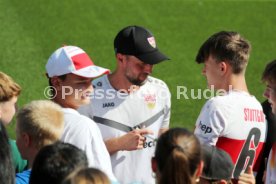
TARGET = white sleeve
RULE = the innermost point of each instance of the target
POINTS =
(101, 156)
(210, 124)
(86, 110)
(87, 137)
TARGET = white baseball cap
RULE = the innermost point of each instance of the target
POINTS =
(72, 59)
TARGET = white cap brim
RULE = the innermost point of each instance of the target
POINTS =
(91, 71)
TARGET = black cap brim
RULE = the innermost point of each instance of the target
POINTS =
(153, 57)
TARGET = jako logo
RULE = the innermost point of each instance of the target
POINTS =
(204, 128)
(111, 104)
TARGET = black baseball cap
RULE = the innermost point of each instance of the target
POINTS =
(218, 164)
(139, 42)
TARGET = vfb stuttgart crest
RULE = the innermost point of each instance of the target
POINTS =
(150, 100)
(151, 41)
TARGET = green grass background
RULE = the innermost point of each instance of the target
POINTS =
(31, 30)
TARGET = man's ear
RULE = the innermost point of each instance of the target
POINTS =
(56, 82)
(153, 165)
(26, 139)
(119, 57)
(223, 67)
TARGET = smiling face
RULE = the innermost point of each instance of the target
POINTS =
(270, 94)
(7, 110)
(74, 90)
(136, 71)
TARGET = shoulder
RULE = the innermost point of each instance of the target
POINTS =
(73, 116)
(158, 83)
(215, 102)
(100, 82)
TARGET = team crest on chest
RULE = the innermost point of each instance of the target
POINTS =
(150, 100)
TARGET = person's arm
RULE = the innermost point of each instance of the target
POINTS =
(133, 140)
(210, 124)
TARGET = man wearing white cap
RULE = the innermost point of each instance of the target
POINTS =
(70, 72)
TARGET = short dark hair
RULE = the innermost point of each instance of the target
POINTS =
(54, 162)
(227, 46)
(6, 165)
(269, 74)
(52, 89)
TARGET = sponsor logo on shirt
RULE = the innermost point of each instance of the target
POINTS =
(204, 128)
(109, 104)
(149, 144)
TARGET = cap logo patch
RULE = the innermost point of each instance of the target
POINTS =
(151, 41)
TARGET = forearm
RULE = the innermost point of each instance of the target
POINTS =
(131, 141)
(113, 145)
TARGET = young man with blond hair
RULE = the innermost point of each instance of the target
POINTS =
(9, 92)
(39, 123)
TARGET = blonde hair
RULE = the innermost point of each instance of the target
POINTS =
(8, 88)
(42, 120)
(87, 176)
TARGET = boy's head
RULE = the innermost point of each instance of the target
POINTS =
(269, 77)
(39, 123)
(88, 176)
(54, 162)
(70, 71)
(9, 91)
(218, 165)
(226, 46)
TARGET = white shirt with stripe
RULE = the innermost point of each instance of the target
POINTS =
(149, 106)
(236, 123)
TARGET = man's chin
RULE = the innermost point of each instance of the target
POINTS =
(139, 82)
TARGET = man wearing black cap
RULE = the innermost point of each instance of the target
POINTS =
(130, 107)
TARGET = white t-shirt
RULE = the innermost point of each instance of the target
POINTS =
(117, 113)
(271, 166)
(85, 134)
(236, 123)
